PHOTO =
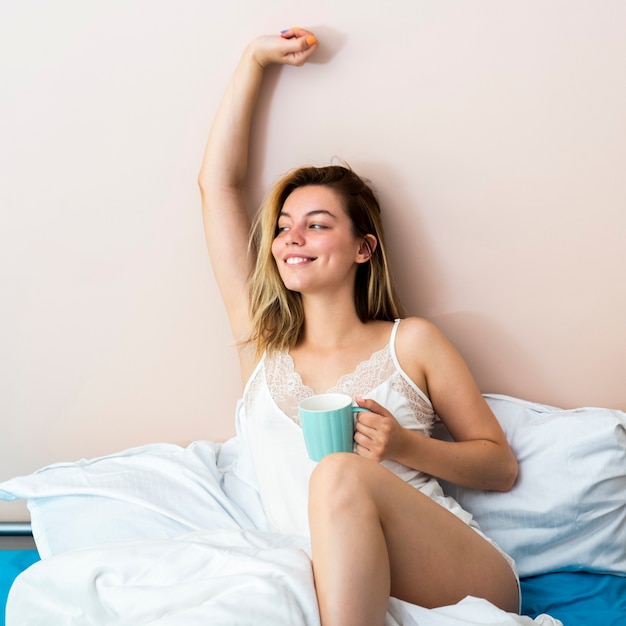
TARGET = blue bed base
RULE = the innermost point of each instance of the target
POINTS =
(12, 562)
(576, 598)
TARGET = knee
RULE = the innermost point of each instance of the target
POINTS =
(338, 481)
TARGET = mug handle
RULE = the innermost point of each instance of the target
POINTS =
(355, 410)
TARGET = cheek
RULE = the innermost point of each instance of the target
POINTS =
(276, 247)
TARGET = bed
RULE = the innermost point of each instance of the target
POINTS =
(12, 563)
(167, 535)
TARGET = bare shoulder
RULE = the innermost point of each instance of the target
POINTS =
(419, 337)
(417, 329)
(421, 344)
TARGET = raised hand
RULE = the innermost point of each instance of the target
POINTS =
(291, 47)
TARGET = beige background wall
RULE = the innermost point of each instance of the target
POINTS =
(493, 130)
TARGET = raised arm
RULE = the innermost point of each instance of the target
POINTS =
(225, 165)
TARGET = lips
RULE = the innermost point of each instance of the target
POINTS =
(298, 260)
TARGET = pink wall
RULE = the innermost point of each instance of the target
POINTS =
(493, 131)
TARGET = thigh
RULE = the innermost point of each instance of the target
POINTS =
(435, 558)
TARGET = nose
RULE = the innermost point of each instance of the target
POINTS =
(294, 237)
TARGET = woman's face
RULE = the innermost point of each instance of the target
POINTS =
(315, 248)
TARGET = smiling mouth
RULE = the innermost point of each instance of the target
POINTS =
(298, 260)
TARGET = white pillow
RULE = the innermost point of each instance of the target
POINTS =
(567, 510)
(151, 492)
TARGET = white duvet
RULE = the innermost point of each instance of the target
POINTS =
(217, 578)
(101, 567)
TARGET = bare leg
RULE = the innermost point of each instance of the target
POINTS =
(373, 536)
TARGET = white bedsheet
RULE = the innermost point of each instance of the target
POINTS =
(217, 578)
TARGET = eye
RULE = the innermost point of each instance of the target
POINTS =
(318, 226)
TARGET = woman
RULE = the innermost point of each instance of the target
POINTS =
(312, 307)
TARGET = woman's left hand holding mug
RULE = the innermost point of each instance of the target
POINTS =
(378, 434)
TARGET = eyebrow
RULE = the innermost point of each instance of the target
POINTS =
(311, 213)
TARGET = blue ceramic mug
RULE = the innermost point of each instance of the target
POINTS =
(328, 424)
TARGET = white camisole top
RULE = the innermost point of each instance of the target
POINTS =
(276, 444)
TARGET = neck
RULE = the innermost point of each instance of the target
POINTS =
(329, 322)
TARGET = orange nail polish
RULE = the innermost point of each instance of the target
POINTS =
(311, 40)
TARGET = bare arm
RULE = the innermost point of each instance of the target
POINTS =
(225, 165)
(480, 456)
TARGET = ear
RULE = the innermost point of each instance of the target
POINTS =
(366, 249)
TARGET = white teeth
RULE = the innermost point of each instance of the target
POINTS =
(294, 260)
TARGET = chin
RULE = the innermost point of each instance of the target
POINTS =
(294, 288)
(292, 285)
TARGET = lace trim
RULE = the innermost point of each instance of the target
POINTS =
(423, 411)
(287, 388)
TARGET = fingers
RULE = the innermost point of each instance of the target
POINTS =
(297, 32)
(301, 44)
(371, 405)
(366, 436)
(375, 431)
(292, 47)
(368, 447)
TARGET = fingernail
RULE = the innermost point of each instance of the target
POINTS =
(282, 32)
(311, 40)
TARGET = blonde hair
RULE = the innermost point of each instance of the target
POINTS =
(276, 312)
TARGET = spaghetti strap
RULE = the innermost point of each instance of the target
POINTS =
(396, 362)
(394, 331)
